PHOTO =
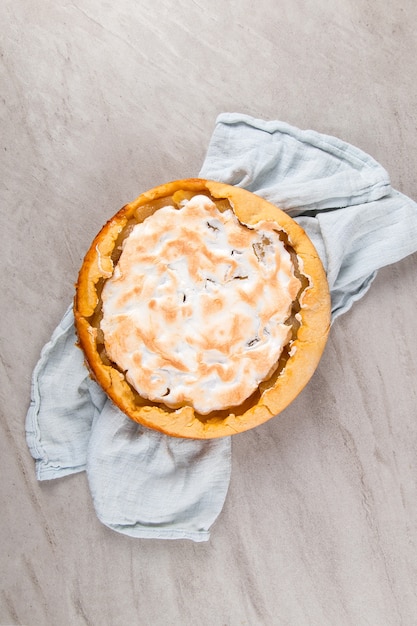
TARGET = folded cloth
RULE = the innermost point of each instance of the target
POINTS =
(144, 483)
(339, 194)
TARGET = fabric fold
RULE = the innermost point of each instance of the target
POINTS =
(339, 194)
(147, 484)
(64, 401)
(298, 170)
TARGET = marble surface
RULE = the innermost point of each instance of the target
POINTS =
(101, 101)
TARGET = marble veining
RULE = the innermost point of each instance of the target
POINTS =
(101, 101)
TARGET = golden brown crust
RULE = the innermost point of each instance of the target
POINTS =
(274, 395)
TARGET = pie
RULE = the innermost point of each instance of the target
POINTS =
(202, 309)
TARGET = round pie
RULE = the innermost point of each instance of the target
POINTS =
(202, 309)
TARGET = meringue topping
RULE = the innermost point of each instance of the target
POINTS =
(197, 309)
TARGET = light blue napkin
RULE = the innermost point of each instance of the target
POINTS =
(341, 196)
(143, 483)
(146, 484)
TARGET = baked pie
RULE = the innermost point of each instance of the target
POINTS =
(202, 309)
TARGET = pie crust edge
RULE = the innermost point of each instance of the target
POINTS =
(306, 349)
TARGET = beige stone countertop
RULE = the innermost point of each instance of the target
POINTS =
(103, 100)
